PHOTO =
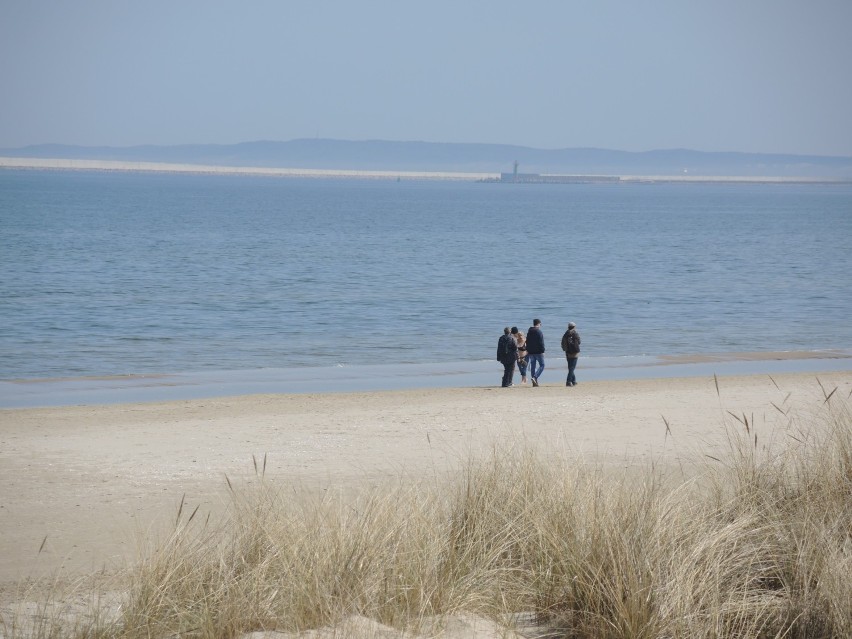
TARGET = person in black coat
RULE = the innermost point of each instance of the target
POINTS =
(507, 354)
(571, 346)
(535, 350)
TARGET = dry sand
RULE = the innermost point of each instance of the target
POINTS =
(82, 483)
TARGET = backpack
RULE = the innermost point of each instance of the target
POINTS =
(505, 346)
(570, 342)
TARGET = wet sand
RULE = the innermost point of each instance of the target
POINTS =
(159, 387)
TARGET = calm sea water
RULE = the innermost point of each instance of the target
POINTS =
(135, 273)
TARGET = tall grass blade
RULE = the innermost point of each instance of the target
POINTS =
(822, 388)
(668, 428)
(775, 406)
(828, 397)
(180, 509)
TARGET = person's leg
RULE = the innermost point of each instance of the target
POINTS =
(537, 366)
(572, 364)
(522, 368)
(508, 373)
(535, 363)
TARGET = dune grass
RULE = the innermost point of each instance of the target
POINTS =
(756, 543)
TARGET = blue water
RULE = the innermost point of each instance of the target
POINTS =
(107, 273)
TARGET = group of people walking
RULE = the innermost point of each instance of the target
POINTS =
(527, 351)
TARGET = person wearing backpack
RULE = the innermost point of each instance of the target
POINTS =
(507, 354)
(571, 346)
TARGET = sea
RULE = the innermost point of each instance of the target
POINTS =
(135, 286)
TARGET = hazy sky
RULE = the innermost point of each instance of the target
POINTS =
(713, 75)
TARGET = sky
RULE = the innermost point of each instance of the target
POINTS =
(764, 76)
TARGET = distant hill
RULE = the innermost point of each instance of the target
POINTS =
(378, 155)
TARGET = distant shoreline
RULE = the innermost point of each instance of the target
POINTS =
(209, 169)
(285, 172)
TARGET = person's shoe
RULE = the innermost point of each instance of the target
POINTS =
(534, 381)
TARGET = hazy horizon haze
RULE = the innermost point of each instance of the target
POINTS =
(758, 77)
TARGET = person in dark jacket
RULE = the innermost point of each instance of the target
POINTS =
(571, 346)
(535, 350)
(507, 354)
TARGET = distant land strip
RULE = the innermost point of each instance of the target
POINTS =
(203, 169)
(165, 167)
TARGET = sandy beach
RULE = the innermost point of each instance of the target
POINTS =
(204, 169)
(83, 484)
(296, 172)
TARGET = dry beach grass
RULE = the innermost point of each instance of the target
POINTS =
(748, 535)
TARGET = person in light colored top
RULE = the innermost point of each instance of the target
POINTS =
(522, 353)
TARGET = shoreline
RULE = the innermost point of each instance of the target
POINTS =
(63, 164)
(210, 169)
(84, 484)
(158, 387)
